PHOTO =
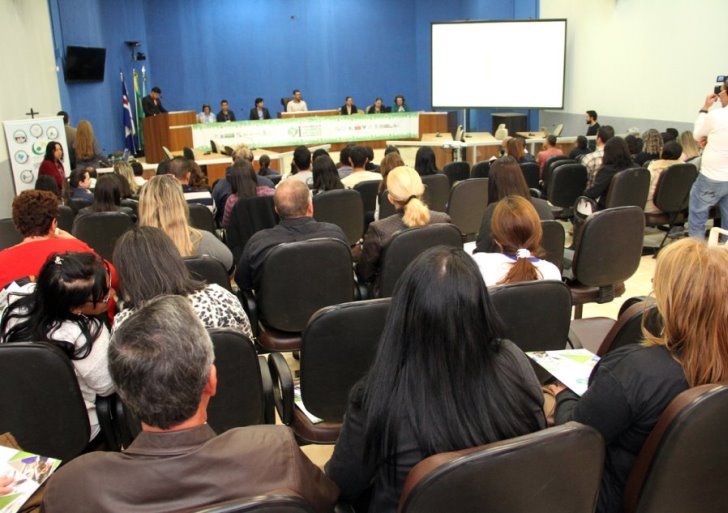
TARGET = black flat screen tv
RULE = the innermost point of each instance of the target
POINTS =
(84, 64)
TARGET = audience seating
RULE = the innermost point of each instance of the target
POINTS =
(100, 230)
(480, 169)
(208, 269)
(66, 216)
(298, 279)
(265, 503)
(133, 204)
(248, 217)
(369, 189)
(607, 252)
(629, 188)
(9, 235)
(276, 179)
(77, 204)
(535, 315)
(550, 165)
(437, 191)
(467, 204)
(201, 218)
(404, 247)
(531, 174)
(672, 196)
(344, 208)
(556, 470)
(684, 462)
(552, 242)
(456, 171)
(567, 183)
(337, 349)
(188, 153)
(386, 208)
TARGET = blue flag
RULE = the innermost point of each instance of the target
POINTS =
(127, 119)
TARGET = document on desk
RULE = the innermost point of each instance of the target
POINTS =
(570, 366)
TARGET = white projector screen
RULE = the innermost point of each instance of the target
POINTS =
(499, 64)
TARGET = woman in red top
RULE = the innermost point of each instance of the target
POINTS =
(52, 164)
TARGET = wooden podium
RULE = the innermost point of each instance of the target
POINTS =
(158, 133)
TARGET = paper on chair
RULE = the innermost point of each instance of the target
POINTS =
(299, 404)
(570, 366)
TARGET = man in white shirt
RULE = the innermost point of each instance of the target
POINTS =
(358, 160)
(711, 186)
(297, 104)
(302, 163)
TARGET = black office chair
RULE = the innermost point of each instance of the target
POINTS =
(133, 205)
(568, 182)
(40, 400)
(344, 208)
(100, 230)
(188, 153)
(368, 190)
(248, 217)
(404, 247)
(298, 278)
(552, 242)
(276, 179)
(213, 146)
(277, 503)
(9, 235)
(386, 208)
(535, 314)
(77, 204)
(66, 215)
(201, 218)
(550, 166)
(456, 171)
(467, 204)
(629, 188)
(556, 469)
(208, 269)
(607, 252)
(683, 463)
(437, 191)
(337, 349)
(531, 174)
(480, 169)
(672, 196)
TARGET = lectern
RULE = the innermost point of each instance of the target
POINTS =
(157, 133)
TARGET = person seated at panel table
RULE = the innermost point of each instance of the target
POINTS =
(399, 104)
(549, 150)
(259, 111)
(206, 116)
(516, 230)
(348, 108)
(225, 113)
(378, 107)
(296, 104)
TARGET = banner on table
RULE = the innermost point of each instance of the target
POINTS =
(308, 130)
(27, 140)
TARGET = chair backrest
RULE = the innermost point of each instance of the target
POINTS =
(568, 182)
(302, 277)
(276, 179)
(683, 463)
(407, 244)
(337, 350)
(550, 165)
(213, 146)
(40, 400)
(248, 217)
(167, 153)
(437, 191)
(629, 188)
(100, 230)
(673, 187)
(609, 246)
(132, 204)
(77, 204)
(628, 328)
(264, 503)
(344, 208)
(467, 204)
(188, 153)
(536, 315)
(201, 217)
(556, 469)
(480, 169)
(552, 242)
(240, 399)
(9, 235)
(531, 174)
(558, 129)
(456, 171)
(208, 269)
(369, 189)
(66, 215)
(386, 208)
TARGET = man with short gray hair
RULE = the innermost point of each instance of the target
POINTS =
(161, 361)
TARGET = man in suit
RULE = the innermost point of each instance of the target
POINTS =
(348, 108)
(162, 363)
(259, 111)
(225, 113)
(152, 103)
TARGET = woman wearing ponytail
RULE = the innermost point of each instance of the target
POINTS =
(405, 190)
(516, 229)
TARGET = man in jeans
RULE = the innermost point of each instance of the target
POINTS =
(711, 186)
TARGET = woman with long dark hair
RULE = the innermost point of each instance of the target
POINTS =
(60, 308)
(439, 382)
(425, 163)
(52, 164)
(107, 197)
(244, 186)
(616, 158)
(325, 175)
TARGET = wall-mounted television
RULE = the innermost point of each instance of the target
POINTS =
(84, 64)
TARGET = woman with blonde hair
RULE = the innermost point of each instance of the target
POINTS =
(516, 229)
(631, 386)
(691, 150)
(125, 171)
(405, 190)
(88, 152)
(652, 149)
(162, 205)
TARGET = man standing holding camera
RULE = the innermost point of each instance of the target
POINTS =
(711, 186)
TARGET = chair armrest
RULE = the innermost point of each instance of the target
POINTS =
(247, 298)
(282, 387)
(361, 291)
(269, 401)
(105, 408)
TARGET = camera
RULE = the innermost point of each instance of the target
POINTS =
(721, 80)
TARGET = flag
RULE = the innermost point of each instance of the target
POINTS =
(138, 110)
(127, 118)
